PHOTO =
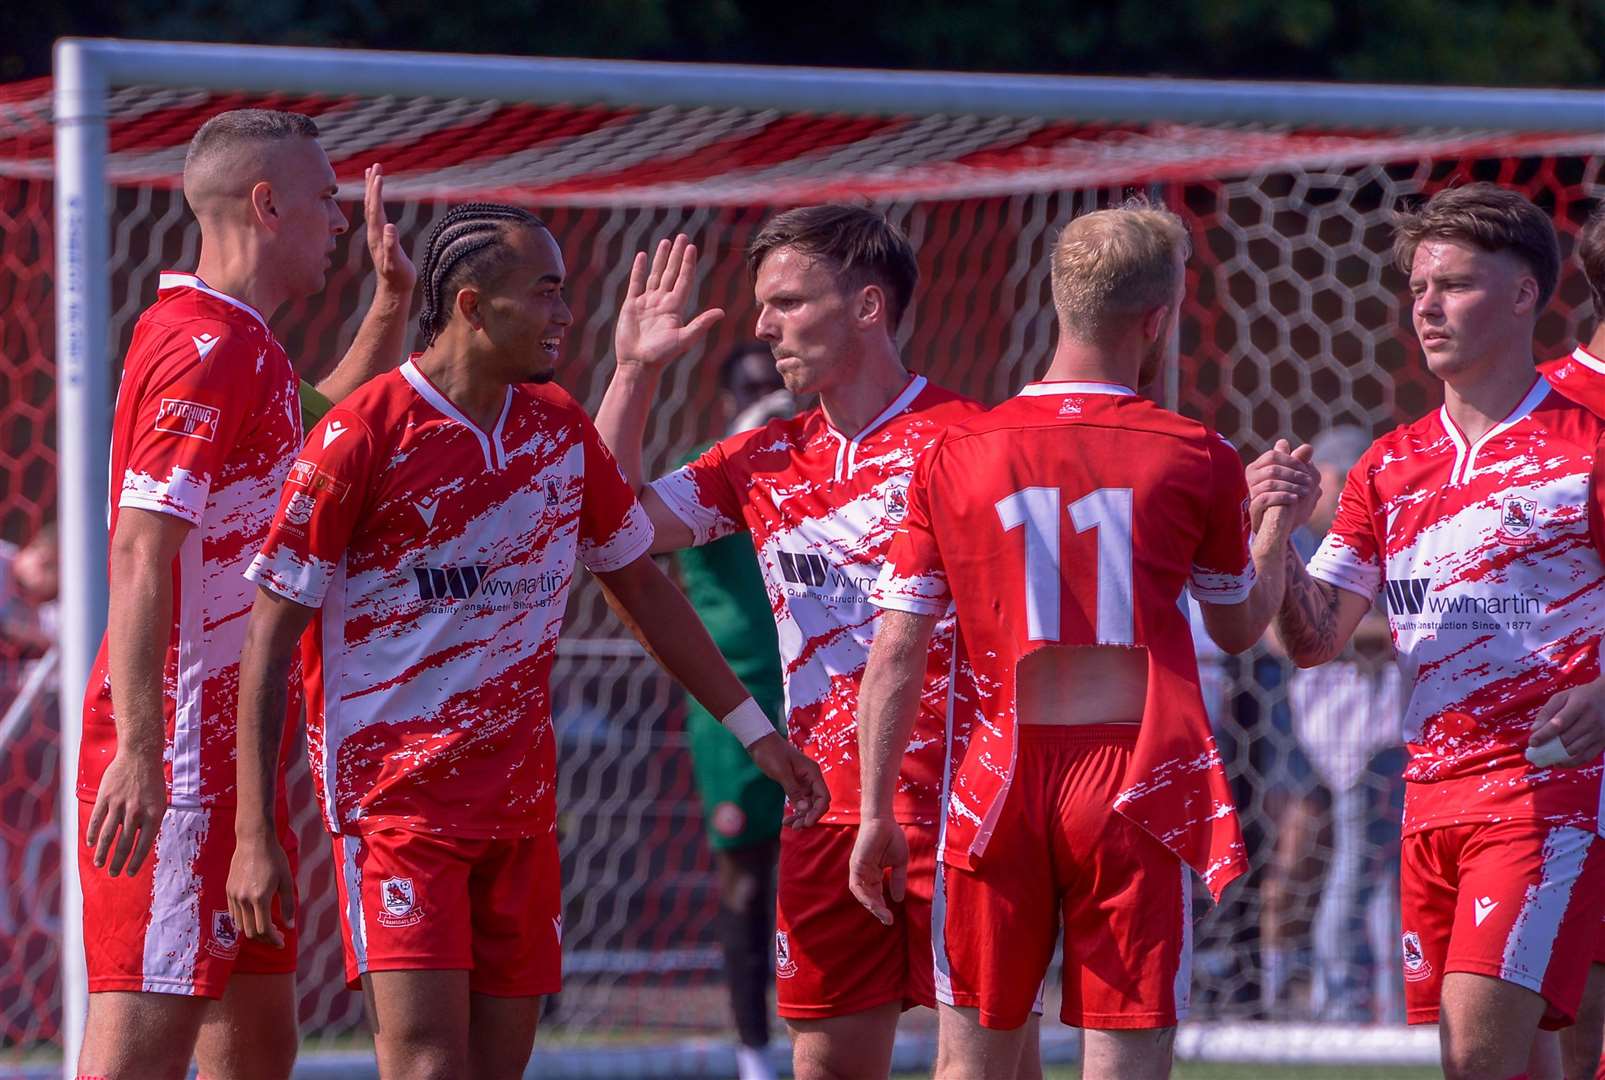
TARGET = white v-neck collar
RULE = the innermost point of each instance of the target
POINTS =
(491, 444)
(174, 279)
(1466, 454)
(847, 449)
(1054, 389)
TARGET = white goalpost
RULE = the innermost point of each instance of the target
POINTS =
(1293, 323)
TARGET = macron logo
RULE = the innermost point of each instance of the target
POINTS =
(426, 509)
(332, 432)
(204, 344)
(1485, 906)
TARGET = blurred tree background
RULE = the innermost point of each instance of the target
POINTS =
(1483, 42)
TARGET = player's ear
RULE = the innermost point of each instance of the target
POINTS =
(467, 302)
(871, 304)
(1155, 322)
(1526, 294)
(263, 206)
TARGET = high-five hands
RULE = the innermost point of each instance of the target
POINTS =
(652, 328)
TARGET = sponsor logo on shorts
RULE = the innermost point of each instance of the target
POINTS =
(400, 902)
(1416, 967)
(1484, 907)
(784, 968)
(557, 926)
(191, 419)
(225, 939)
(729, 819)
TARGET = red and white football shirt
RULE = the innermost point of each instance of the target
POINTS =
(1488, 554)
(441, 557)
(208, 420)
(1074, 514)
(1579, 375)
(822, 507)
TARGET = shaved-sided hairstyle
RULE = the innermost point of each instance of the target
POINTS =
(1113, 266)
(1489, 218)
(233, 151)
(468, 246)
(860, 245)
(227, 130)
(1591, 253)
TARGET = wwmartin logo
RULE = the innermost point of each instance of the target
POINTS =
(1407, 595)
(437, 583)
(1415, 596)
(803, 569)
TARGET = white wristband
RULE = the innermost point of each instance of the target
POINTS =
(748, 723)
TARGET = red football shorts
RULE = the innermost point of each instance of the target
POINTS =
(167, 929)
(1060, 856)
(1516, 900)
(415, 901)
(832, 957)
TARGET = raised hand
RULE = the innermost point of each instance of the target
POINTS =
(390, 262)
(652, 328)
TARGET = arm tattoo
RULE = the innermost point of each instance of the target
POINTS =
(275, 703)
(1307, 622)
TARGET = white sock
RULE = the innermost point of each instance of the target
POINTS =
(1272, 975)
(753, 1064)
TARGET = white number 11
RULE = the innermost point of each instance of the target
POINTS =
(1109, 511)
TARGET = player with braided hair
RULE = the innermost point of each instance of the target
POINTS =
(435, 517)
(466, 243)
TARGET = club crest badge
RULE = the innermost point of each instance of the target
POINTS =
(897, 500)
(400, 902)
(1518, 518)
(1416, 967)
(784, 968)
(225, 940)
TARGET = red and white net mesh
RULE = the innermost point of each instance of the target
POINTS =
(1294, 322)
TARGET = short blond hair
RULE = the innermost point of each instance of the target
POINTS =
(1111, 266)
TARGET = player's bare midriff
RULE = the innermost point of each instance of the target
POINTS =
(1074, 685)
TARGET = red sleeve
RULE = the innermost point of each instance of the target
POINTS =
(614, 529)
(1223, 571)
(187, 416)
(914, 577)
(1350, 555)
(318, 510)
(702, 494)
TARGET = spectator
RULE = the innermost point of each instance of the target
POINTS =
(29, 581)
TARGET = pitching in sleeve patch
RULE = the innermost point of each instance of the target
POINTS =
(191, 419)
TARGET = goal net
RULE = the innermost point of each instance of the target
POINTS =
(1296, 322)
